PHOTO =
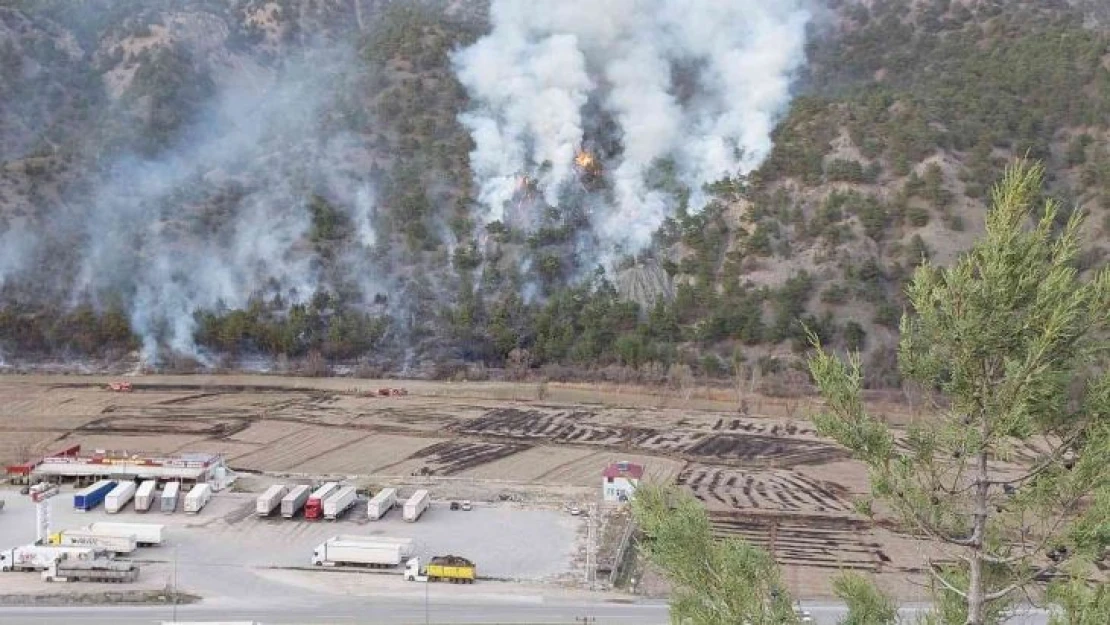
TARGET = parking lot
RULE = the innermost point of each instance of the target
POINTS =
(226, 546)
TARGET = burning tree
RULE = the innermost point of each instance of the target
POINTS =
(587, 163)
(1012, 346)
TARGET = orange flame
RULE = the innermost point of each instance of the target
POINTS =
(586, 161)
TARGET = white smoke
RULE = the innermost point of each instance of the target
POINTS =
(151, 232)
(14, 246)
(532, 91)
(533, 76)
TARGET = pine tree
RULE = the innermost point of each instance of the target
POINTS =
(715, 581)
(1010, 343)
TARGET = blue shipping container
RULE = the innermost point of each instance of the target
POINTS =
(91, 496)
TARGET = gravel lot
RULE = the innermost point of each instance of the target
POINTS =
(226, 547)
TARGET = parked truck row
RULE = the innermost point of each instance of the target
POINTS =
(115, 495)
(332, 500)
(86, 554)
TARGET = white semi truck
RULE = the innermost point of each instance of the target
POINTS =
(120, 496)
(84, 537)
(145, 495)
(39, 557)
(269, 500)
(416, 505)
(146, 534)
(197, 498)
(342, 550)
(381, 503)
(292, 503)
(339, 502)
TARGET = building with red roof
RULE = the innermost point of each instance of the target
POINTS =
(620, 480)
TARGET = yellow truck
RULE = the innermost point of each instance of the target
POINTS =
(454, 569)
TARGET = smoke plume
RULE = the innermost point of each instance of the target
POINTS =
(698, 83)
(218, 216)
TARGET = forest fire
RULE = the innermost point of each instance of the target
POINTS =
(587, 163)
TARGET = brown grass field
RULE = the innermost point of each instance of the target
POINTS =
(758, 466)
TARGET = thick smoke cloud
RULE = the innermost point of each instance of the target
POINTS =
(248, 135)
(699, 82)
(221, 214)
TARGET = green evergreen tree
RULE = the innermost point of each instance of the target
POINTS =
(1011, 345)
(715, 581)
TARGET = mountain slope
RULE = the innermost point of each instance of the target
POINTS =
(288, 182)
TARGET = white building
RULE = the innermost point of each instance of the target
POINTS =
(619, 481)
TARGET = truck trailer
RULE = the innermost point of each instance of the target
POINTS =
(381, 503)
(452, 569)
(146, 534)
(90, 497)
(292, 503)
(376, 554)
(314, 507)
(339, 502)
(269, 500)
(416, 505)
(84, 537)
(391, 540)
(170, 494)
(145, 495)
(39, 557)
(197, 498)
(119, 497)
(66, 569)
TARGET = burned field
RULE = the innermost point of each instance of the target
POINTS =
(771, 480)
(695, 445)
(771, 490)
(451, 457)
(812, 542)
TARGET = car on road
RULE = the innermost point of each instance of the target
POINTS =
(466, 505)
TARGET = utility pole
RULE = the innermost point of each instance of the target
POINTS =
(175, 583)
(589, 540)
(422, 550)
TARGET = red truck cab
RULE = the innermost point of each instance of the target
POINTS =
(313, 508)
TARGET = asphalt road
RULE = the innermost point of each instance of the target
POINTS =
(395, 612)
(369, 612)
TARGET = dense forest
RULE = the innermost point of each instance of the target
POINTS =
(904, 113)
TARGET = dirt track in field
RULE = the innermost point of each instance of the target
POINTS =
(765, 476)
